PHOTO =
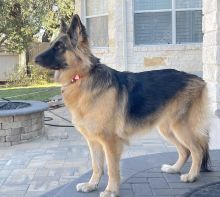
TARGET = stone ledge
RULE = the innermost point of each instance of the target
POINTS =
(36, 106)
(169, 47)
(102, 50)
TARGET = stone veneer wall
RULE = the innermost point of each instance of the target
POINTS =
(186, 57)
(20, 129)
(181, 57)
(211, 49)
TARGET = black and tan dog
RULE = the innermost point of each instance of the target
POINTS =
(108, 107)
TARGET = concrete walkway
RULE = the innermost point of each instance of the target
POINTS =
(61, 157)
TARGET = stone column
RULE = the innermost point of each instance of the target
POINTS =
(211, 50)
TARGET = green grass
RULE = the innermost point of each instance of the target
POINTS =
(38, 93)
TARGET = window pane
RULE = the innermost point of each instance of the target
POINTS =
(95, 7)
(153, 28)
(188, 4)
(97, 28)
(189, 26)
(152, 4)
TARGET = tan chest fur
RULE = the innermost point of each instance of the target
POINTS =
(91, 114)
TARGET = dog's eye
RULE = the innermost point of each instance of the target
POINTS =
(59, 46)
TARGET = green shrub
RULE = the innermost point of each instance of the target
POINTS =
(37, 76)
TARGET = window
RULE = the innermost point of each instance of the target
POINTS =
(188, 21)
(97, 22)
(167, 21)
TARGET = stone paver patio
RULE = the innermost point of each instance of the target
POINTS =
(61, 157)
(141, 176)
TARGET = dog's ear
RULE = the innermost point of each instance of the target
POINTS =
(63, 26)
(77, 31)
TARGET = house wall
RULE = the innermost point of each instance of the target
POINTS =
(8, 63)
(181, 57)
(186, 57)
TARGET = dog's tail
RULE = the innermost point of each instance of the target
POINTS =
(206, 163)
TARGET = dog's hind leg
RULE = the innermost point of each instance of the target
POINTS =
(183, 152)
(113, 147)
(191, 130)
(97, 156)
(185, 134)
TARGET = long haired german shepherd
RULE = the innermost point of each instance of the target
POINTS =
(108, 107)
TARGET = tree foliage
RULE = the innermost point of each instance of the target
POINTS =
(22, 19)
(58, 9)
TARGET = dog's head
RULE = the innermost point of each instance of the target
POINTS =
(69, 49)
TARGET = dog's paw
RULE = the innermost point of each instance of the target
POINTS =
(188, 178)
(86, 187)
(169, 169)
(109, 194)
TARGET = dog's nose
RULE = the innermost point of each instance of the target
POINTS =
(37, 60)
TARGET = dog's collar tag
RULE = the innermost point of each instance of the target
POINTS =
(77, 77)
(74, 79)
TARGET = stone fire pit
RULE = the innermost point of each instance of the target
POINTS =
(21, 121)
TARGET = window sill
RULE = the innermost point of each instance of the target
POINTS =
(168, 47)
(102, 50)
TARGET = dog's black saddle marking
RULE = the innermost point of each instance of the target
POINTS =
(148, 91)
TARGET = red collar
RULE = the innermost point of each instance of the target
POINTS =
(73, 80)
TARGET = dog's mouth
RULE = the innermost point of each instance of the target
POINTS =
(40, 62)
(51, 67)
(55, 68)
(58, 67)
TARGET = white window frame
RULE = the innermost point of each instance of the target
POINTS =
(92, 16)
(173, 10)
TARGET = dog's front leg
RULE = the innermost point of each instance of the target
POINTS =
(97, 156)
(113, 149)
